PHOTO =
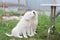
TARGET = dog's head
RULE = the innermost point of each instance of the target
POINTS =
(34, 12)
(30, 14)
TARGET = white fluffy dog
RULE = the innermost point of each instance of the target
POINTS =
(21, 27)
(33, 24)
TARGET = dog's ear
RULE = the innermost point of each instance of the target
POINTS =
(34, 13)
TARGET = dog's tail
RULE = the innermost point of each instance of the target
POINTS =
(8, 34)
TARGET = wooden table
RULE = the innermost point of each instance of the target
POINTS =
(52, 17)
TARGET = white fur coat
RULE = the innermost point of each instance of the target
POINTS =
(26, 26)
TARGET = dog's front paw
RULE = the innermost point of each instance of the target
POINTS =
(20, 36)
(35, 33)
(31, 35)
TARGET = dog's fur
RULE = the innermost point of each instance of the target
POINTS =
(26, 26)
(21, 27)
(33, 24)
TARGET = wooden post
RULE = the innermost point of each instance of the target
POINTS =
(53, 12)
(3, 5)
(52, 20)
(24, 6)
(18, 4)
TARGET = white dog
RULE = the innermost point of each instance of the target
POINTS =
(21, 27)
(33, 24)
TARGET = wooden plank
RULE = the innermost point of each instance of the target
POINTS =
(49, 4)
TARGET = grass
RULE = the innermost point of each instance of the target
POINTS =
(1, 12)
(43, 24)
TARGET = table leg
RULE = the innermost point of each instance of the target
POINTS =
(52, 21)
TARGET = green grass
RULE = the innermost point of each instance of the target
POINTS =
(43, 24)
(1, 12)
